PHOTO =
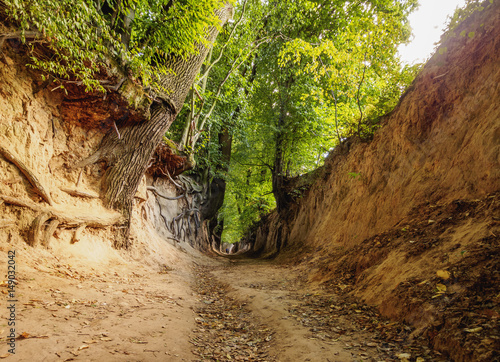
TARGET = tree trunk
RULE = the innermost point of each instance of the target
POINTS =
(176, 84)
(278, 171)
(217, 188)
(128, 156)
(278, 176)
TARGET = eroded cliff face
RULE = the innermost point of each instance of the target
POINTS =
(47, 131)
(384, 219)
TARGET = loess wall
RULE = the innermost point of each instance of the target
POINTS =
(50, 131)
(440, 144)
(425, 199)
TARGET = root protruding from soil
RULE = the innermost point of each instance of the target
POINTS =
(39, 234)
(36, 230)
(65, 218)
(30, 176)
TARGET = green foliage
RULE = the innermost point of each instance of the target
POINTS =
(327, 61)
(354, 175)
(248, 198)
(74, 31)
(164, 28)
(357, 70)
(460, 14)
(83, 37)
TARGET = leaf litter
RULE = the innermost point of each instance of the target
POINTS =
(226, 328)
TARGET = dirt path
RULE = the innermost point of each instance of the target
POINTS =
(215, 310)
(289, 320)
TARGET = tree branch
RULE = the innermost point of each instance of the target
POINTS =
(335, 101)
(205, 75)
(235, 66)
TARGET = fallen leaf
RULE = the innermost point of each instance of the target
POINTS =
(441, 288)
(443, 274)
(138, 341)
(24, 335)
(473, 330)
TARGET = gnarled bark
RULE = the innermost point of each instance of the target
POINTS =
(128, 156)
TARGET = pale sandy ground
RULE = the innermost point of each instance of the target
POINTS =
(111, 312)
(97, 304)
(270, 290)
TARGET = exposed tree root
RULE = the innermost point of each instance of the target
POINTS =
(78, 233)
(174, 239)
(40, 235)
(79, 178)
(36, 230)
(18, 35)
(93, 158)
(182, 223)
(33, 180)
(78, 193)
(158, 193)
(65, 218)
(172, 180)
(49, 231)
(163, 216)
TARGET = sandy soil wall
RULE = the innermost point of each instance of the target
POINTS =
(39, 129)
(441, 143)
